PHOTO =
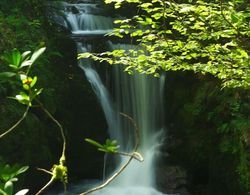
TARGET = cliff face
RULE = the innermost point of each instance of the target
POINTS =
(205, 125)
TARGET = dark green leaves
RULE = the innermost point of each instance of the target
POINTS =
(4, 76)
(8, 175)
(18, 61)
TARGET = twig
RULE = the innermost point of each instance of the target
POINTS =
(133, 155)
(16, 124)
(57, 123)
(44, 170)
(47, 185)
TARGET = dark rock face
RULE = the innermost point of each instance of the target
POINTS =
(172, 180)
(193, 138)
(86, 1)
(74, 10)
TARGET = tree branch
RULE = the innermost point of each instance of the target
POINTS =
(44, 170)
(46, 186)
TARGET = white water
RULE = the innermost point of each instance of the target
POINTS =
(139, 96)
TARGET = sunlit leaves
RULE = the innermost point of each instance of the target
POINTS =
(206, 37)
(21, 64)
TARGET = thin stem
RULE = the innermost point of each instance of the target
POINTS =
(16, 124)
(58, 124)
(46, 186)
(135, 155)
(44, 170)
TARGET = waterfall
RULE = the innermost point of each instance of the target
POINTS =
(138, 96)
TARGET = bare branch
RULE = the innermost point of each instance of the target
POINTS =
(16, 124)
(46, 186)
(44, 170)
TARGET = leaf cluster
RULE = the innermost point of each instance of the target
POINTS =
(205, 37)
(19, 66)
(8, 175)
(110, 146)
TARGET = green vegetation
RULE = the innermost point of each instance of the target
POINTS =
(205, 37)
(209, 38)
(8, 175)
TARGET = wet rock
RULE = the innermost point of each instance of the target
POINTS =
(86, 1)
(172, 180)
(74, 10)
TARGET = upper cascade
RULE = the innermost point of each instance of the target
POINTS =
(82, 18)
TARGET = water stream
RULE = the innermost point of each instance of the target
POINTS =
(139, 96)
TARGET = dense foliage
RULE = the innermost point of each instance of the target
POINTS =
(206, 37)
(202, 36)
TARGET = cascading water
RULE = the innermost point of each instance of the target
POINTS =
(138, 96)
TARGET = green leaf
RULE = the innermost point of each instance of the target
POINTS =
(8, 187)
(93, 142)
(26, 63)
(6, 75)
(25, 54)
(34, 80)
(23, 98)
(22, 170)
(26, 87)
(36, 54)
(16, 58)
(22, 192)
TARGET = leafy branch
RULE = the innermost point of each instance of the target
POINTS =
(20, 65)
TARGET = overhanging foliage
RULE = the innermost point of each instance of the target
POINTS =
(202, 36)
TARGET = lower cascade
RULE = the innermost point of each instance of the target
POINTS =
(138, 96)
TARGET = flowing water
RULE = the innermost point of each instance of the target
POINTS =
(138, 96)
